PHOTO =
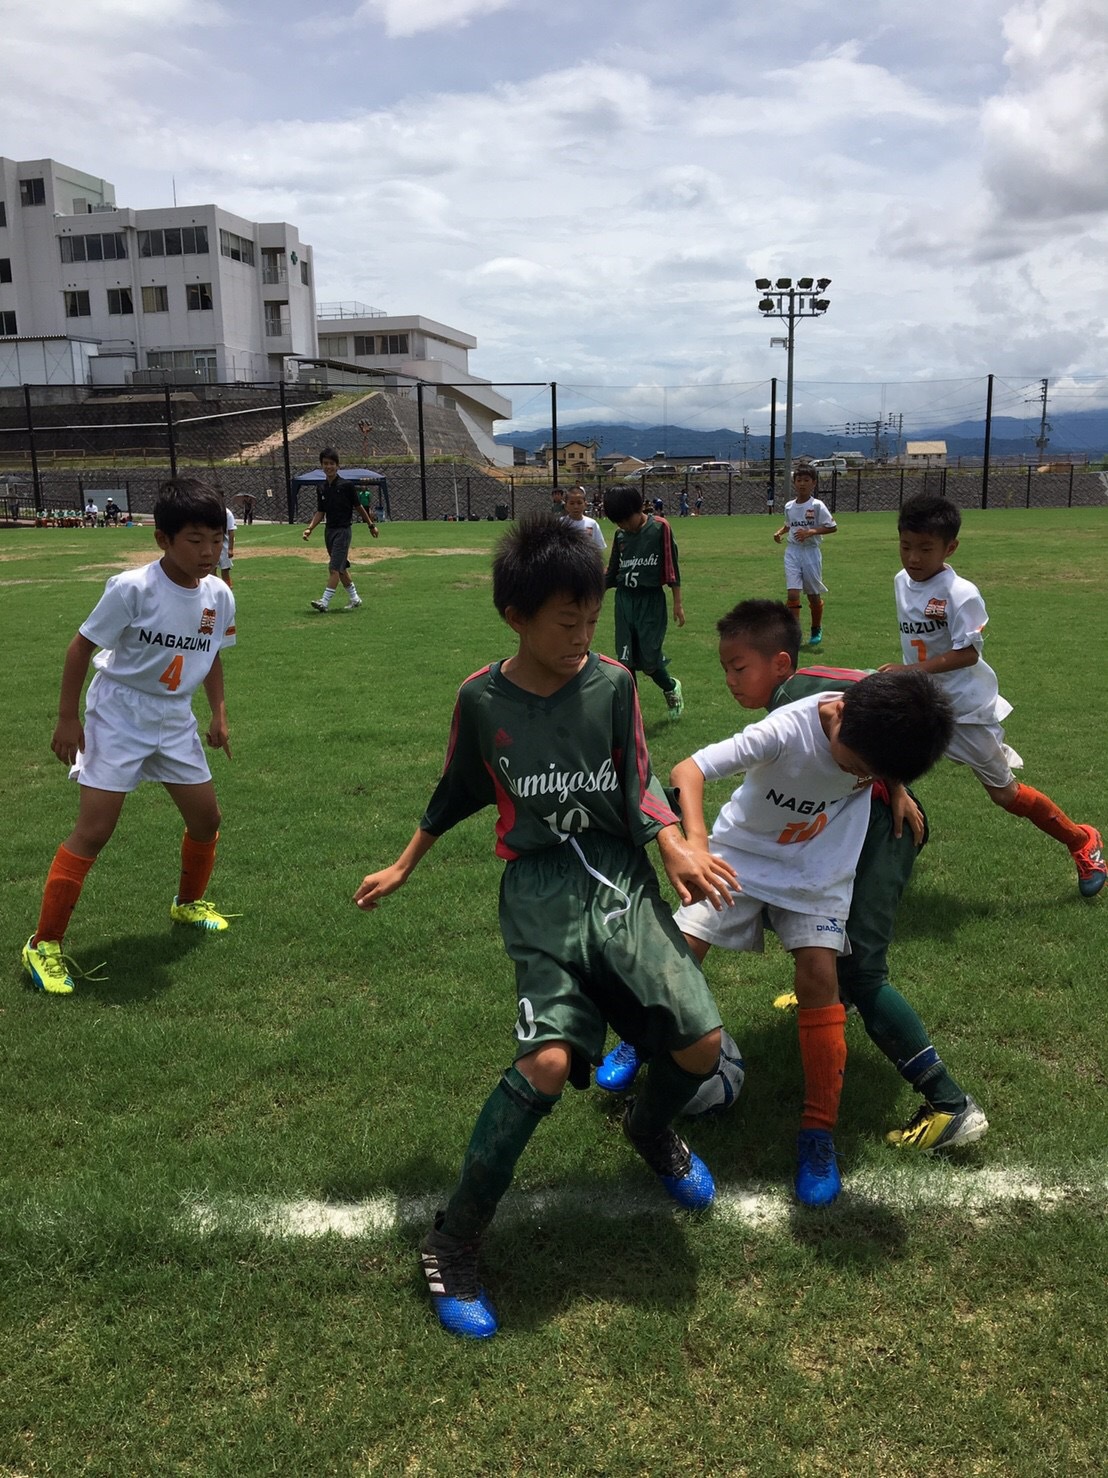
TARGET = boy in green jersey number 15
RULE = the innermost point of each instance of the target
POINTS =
(642, 563)
(552, 737)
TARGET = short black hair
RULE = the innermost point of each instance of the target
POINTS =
(929, 513)
(766, 625)
(899, 723)
(540, 556)
(183, 500)
(328, 454)
(622, 501)
(806, 470)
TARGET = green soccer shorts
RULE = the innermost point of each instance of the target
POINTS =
(641, 622)
(599, 948)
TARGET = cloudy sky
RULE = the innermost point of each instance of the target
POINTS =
(592, 187)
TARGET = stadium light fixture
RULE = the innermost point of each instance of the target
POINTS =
(789, 303)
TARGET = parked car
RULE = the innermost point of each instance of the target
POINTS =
(707, 468)
(829, 464)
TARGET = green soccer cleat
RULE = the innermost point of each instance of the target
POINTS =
(200, 914)
(675, 702)
(932, 1129)
(815, 638)
(45, 964)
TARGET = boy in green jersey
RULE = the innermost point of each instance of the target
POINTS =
(552, 737)
(642, 563)
(758, 647)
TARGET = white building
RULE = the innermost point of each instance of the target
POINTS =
(93, 293)
(408, 348)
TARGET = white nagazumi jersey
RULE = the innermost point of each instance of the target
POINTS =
(947, 614)
(794, 829)
(225, 552)
(811, 514)
(588, 528)
(159, 637)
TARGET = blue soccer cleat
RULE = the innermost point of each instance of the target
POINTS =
(817, 1173)
(450, 1267)
(1091, 869)
(618, 1069)
(684, 1175)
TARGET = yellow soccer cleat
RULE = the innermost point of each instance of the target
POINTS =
(931, 1129)
(200, 914)
(786, 1001)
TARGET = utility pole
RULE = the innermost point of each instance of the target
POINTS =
(1042, 441)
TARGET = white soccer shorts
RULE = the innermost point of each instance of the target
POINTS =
(131, 737)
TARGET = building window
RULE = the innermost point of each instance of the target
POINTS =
(196, 364)
(277, 320)
(305, 275)
(334, 346)
(174, 241)
(238, 248)
(5, 269)
(32, 192)
(155, 300)
(107, 246)
(273, 266)
(199, 295)
(3, 214)
(119, 300)
(77, 305)
(392, 343)
(7, 323)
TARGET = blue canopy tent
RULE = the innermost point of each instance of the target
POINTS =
(311, 481)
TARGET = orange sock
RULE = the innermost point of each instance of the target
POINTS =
(1041, 811)
(197, 861)
(63, 887)
(823, 1053)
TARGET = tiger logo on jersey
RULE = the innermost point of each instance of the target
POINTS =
(207, 622)
(935, 609)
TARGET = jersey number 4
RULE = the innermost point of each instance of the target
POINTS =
(171, 677)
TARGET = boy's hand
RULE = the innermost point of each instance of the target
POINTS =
(894, 667)
(777, 537)
(307, 534)
(374, 530)
(697, 874)
(678, 609)
(218, 736)
(904, 808)
(67, 739)
(378, 885)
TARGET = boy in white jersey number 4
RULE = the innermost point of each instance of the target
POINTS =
(942, 620)
(807, 520)
(552, 737)
(160, 630)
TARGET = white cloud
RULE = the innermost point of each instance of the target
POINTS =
(411, 17)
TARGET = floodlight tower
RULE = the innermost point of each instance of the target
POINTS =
(782, 299)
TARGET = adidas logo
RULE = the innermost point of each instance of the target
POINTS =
(501, 739)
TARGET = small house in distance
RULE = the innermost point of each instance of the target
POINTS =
(925, 454)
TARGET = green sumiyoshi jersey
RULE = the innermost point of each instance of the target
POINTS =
(644, 560)
(811, 680)
(554, 767)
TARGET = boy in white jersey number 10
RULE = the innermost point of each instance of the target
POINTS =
(160, 630)
(942, 620)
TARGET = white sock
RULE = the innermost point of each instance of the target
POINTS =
(325, 598)
(352, 591)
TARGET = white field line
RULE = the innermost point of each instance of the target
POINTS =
(974, 1193)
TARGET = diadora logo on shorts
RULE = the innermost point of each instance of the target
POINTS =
(207, 623)
(832, 926)
(501, 739)
(935, 609)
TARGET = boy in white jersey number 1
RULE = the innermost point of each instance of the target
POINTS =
(942, 619)
(807, 520)
(160, 630)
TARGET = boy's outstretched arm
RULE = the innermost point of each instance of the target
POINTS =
(688, 778)
(378, 885)
(69, 736)
(944, 662)
(678, 605)
(696, 873)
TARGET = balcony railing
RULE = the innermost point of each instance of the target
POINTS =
(276, 327)
(274, 275)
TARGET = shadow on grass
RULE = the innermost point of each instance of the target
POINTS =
(139, 967)
(940, 915)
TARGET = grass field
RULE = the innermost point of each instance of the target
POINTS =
(218, 1163)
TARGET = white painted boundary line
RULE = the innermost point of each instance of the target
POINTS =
(975, 1193)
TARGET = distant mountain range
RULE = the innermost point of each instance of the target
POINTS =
(1084, 433)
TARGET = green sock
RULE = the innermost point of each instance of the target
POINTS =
(512, 1113)
(895, 1028)
(667, 1090)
